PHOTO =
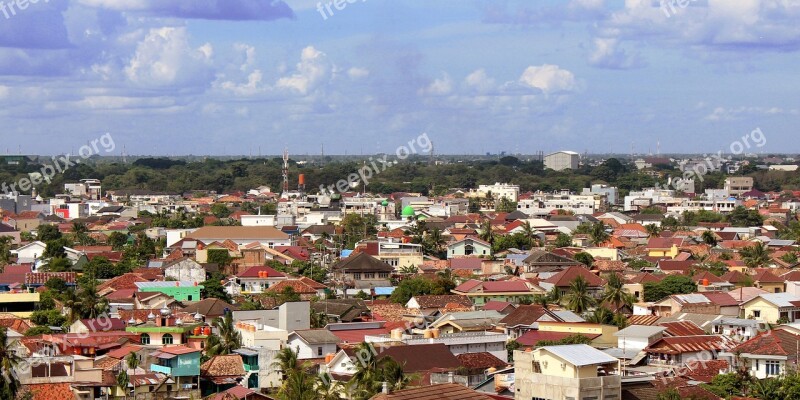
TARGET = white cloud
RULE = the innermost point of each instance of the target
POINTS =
(357, 73)
(312, 69)
(608, 54)
(164, 58)
(548, 78)
(735, 113)
(439, 87)
(4, 91)
(479, 81)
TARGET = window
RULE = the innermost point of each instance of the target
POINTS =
(319, 351)
(369, 275)
(383, 275)
(773, 367)
(757, 313)
(166, 339)
(357, 275)
(145, 338)
(189, 298)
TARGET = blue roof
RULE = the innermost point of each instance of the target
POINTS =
(384, 291)
(346, 253)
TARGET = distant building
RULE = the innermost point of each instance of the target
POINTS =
(498, 191)
(737, 185)
(562, 160)
(611, 192)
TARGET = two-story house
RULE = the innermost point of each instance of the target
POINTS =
(362, 271)
(575, 371)
(313, 343)
(182, 364)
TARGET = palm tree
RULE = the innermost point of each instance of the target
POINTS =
(122, 381)
(653, 230)
(598, 234)
(298, 386)
(286, 362)
(229, 338)
(8, 361)
(601, 315)
(541, 300)
(756, 255)
(578, 298)
(487, 231)
(614, 293)
(530, 233)
(709, 238)
(488, 201)
(554, 295)
(132, 361)
(435, 240)
(328, 389)
(364, 382)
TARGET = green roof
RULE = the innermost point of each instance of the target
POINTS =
(408, 211)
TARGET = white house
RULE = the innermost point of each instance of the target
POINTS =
(637, 337)
(30, 252)
(313, 343)
(562, 160)
(185, 269)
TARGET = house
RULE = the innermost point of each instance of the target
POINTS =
(738, 329)
(185, 269)
(568, 371)
(764, 279)
(438, 302)
(30, 253)
(469, 247)
(525, 318)
(305, 291)
(254, 280)
(182, 364)
(97, 325)
(161, 328)
(6, 230)
(663, 247)
(503, 307)
(313, 343)
(393, 252)
(242, 235)
(209, 308)
(443, 391)
(420, 359)
(540, 259)
(678, 350)
(701, 303)
(482, 292)
(563, 280)
(362, 271)
(456, 343)
(639, 337)
(773, 307)
(768, 354)
(221, 373)
(178, 290)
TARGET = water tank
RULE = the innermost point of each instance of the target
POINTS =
(427, 334)
(435, 332)
(397, 334)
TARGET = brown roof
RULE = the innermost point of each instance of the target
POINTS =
(643, 319)
(682, 328)
(440, 301)
(527, 315)
(687, 344)
(443, 391)
(482, 360)
(776, 342)
(223, 366)
(422, 357)
(565, 277)
(362, 262)
(298, 286)
(209, 307)
(764, 275)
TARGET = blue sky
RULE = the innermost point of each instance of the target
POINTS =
(222, 77)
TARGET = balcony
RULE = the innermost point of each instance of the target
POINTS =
(162, 369)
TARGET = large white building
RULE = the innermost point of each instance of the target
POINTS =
(544, 204)
(498, 191)
(562, 160)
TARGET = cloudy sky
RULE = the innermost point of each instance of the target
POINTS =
(172, 77)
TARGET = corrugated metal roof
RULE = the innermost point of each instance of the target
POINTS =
(568, 316)
(141, 285)
(580, 354)
(692, 298)
(780, 299)
(641, 331)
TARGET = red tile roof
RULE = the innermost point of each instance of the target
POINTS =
(688, 344)
(764, 275)
(51, 391)
(253, 272)
(776, 342)
(682, 328)
(567, 276)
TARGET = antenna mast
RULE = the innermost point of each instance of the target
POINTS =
(285, 170)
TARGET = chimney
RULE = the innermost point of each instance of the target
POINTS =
(385, 388)
(451, 377)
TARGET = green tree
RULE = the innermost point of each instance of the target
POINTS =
(672, 284)
(743, 217)
(101, 268)
(122, 381)
(212, 288)
(653, 230)
(8, 361)
(46, 233)
(614, 292)
(563, 240)
(505, 205)
(709, 238)
(584, 258)
(220, 257)
(409, 288)
(117, 240)
(727, 385)
(132, 361)
(228, 339)
(598, 234)
(578, 298)
(756, 255)
(220, 210)
(362, 295)
(48, 318)
(5, 250)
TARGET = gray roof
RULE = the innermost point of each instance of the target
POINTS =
(317, 336)
(568, 316)
(640, 331)
(781, 299)
(736, 322)
(580, 354)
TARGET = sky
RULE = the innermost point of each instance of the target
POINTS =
(249, 77)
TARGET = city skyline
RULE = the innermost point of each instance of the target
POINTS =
(363, 77)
